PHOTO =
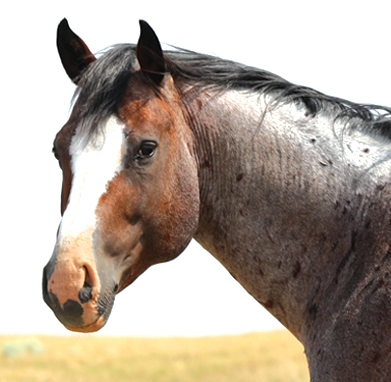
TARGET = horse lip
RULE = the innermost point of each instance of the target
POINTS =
(93, 327)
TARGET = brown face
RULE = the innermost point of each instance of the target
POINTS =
(150, 209)
(129, 200)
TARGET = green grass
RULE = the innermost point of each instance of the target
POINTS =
(267, 357)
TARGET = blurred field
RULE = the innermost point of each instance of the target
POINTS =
(267, 357)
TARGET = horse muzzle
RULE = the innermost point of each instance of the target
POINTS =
(72, 289)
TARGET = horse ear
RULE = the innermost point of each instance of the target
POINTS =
(150, 54)
(74, 53)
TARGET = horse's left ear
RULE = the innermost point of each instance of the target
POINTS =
(150, 54)
(74, 53)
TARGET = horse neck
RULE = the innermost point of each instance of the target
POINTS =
(283, 195)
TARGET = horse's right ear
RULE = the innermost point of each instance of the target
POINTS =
(74, 53)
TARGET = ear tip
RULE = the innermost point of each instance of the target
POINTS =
(63, 27)
(144, 25)
(63, 23)
(147, 33)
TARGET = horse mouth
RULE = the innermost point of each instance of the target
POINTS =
(81, 314)
(90, 328)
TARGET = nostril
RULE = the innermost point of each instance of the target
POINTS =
(85, 293)
(116, 288)
(87, 276)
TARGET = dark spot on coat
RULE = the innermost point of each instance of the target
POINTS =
(313, 310)
(205, 164)
(376, 358)
(239, 177)
(268, 304)
(296, 270)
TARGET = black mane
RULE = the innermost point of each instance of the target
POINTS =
(102, 86)
(204, 71)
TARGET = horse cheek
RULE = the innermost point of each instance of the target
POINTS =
(181, 214)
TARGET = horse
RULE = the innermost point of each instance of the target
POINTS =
(287, 187)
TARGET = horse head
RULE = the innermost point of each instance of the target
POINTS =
(130, 196)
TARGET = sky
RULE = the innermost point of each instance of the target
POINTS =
(338, 47)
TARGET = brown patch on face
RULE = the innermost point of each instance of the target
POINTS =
(61, 146)
(119, 226)
(150, 210)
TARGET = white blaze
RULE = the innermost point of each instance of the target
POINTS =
(94, 162)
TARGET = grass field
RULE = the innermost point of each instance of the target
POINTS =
(267, 357)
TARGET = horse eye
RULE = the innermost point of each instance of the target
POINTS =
(146, 150)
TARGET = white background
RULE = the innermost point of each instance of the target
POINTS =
(338, 47)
